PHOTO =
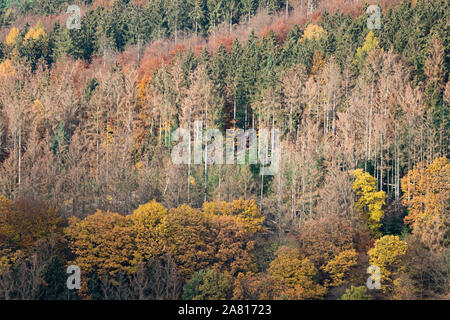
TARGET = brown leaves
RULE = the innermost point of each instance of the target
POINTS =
(24, 222)
(321, 239)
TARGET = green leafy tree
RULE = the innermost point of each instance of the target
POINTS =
(192, 288)
(209, 285)
(54, 279)
(355, 293)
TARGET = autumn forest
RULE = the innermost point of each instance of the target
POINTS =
(92, 91)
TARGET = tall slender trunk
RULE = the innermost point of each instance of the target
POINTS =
(234, 113)
(334, 114)
(370, 122)
(246, 116)
(287, 9)
(20, 155)
(290, 121)
(381, 163)
(97, 145)
(189, 166)
(160, 129)
(310, 196)
(206, 156)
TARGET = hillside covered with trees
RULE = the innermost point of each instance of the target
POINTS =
(87, 117)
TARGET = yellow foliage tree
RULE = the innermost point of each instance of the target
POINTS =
(148, 226)
(318, 63)
(143, 85)
(220, 208)
(7, 69)
(313, 31)
(388, 253)
(12, 37)
(426, 191)
(427, 195)
(245, 211)
(296, 276)
(195, 239)
(232, 244)
(370, 200)
(248, 212)
(36, 32)
(371, 43)
(339, 267)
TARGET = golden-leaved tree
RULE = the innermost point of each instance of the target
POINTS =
(313, 31)
(244, 211)
(148, 227)
(340, 266)
(389, 254)
(234, 226)
(320, 240)
(370, 44)
(24, 226)
(426, 191)
(297, 277)
(36, 32)
(370, 200)
(102, 242)
(221, 236)
(187, 237)
(6, 68)
(12, 36)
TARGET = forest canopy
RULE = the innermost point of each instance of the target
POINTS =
(87, 117)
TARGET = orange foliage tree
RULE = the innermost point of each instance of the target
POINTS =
(245, 211)
(234, 225)
(187, 238)
(427, 196)
(102, 242)
(221, 236)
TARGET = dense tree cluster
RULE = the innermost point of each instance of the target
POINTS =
(86, 176)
